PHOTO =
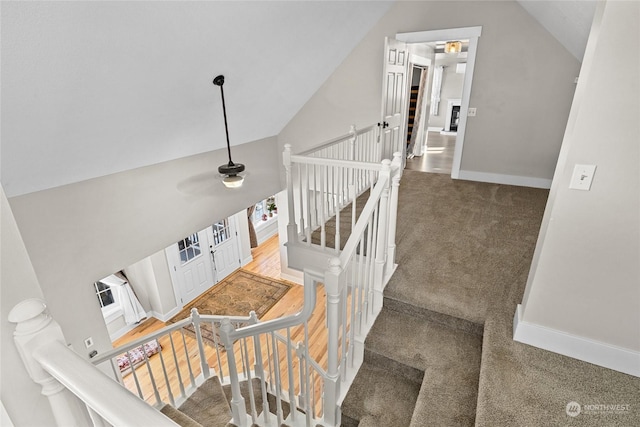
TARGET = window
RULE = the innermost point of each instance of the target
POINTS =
(108, 296)
(105, 295)
(221, 231)
(189, 248)
(261, 213)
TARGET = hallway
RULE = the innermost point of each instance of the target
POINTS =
(438, 156)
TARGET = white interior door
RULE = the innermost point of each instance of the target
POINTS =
(224, 248)
(394, 98)
(191, 266)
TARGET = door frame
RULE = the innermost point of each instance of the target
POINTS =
(472, 34)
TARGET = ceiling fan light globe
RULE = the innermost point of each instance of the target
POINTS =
(233, 181)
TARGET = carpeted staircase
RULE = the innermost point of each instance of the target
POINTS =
(441, 352)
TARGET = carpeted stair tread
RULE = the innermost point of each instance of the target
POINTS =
(378, 398)
(179, 417)
(448, 358)
(447, 397)
(257, 394)
(208, 404)
(445, 319)
(421, 344)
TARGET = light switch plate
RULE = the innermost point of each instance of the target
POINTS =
(582, 177)
(471, 112)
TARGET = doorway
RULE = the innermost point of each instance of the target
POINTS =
(418, 116)
(204, 258)
(472, 34)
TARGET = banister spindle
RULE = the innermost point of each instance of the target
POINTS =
(238, 409)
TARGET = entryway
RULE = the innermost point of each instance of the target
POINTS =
(201, 260)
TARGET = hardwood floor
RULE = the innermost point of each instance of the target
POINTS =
(266, 261)
(438, 157)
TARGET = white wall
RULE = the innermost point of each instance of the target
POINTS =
(244, 241)
(19, 394)
(165, 304)
(585, 277)
(78, 233)
(523, 85)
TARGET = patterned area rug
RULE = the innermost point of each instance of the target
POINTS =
(236, 295)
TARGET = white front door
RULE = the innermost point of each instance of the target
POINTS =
(224, 248)
(394, 98)
(191, 266)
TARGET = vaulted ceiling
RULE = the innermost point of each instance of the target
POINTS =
(94, 88)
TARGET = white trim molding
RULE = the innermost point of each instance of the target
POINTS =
(596, 352)
(498, 178)
(472, 34)
(165, 317)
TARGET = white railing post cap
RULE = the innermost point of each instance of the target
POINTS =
(30, 316)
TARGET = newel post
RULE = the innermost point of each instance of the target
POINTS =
(292, 228)
(333, 287)
(396, 173)
(381, 239)
(352, 142)
(238, 408)
(35, 329)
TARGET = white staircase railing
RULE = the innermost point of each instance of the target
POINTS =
(175, 374)
(285, 384)
(79, 393)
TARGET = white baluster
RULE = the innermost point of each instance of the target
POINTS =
(238, 409)
(204, 365)
(35, 329)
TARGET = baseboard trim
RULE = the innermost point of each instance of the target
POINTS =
(291, 278)
(497, 178)
(120, 332)
(165, 317)
(434, 128)
(599, 353)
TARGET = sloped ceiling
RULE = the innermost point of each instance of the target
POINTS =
(569, 21)
(94, 88)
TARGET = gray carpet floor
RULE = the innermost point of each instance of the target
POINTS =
(464, 251)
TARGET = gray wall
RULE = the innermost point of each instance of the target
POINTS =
(20, 395)
(78, 233)
(523, 87)
(585, 275)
